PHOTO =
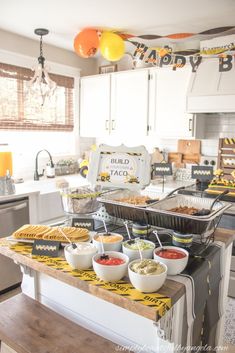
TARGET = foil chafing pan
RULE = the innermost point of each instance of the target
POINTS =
(161, 216)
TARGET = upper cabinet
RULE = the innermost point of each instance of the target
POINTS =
(167, 104)
(94, 105)
(146, 101)
(211, 91)
(129, 103)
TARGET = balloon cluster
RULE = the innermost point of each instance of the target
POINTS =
(88, 41)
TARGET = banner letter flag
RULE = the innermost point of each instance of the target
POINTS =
(166, 60)
(225, 64)
(140, 51)
(179, 61)
(195, 63)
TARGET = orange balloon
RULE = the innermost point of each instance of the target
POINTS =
(86, 43)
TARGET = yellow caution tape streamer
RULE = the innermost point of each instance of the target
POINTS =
(154, 300)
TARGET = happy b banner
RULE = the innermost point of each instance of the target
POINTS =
(220, 47)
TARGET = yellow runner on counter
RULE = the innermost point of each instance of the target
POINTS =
(122, 288)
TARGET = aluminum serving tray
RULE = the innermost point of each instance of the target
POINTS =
(136, 213)
(159, 214)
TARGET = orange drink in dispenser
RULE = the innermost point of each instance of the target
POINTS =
(5, 161)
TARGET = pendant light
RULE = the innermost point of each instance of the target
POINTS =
(41, 84)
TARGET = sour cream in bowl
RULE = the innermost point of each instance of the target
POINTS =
(80, 258)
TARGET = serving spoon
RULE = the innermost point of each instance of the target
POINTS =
(105, 227)
(159, 241)
(103, 255)
(138, 244)
(130, 241)
(74, 246)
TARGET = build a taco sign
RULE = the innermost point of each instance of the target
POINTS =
(222, 48)
(119, 167)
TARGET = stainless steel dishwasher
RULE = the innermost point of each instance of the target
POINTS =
(13, 214)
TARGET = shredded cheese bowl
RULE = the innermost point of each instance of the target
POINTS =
(111, 241)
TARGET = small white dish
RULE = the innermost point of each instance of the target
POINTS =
(147, 283)
(135, 254)
(112, 246)
(79, 261)
(174, 266)
(111, 273)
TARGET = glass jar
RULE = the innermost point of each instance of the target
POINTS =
(5, 160)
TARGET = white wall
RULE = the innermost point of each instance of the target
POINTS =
(14, 43)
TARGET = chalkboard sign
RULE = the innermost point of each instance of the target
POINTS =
(162, 169)
(46, 248)
(202, 172)
(83, 223)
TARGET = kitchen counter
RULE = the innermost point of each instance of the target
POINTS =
(114, 311)
(41, 195)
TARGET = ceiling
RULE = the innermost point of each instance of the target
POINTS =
(65, 18)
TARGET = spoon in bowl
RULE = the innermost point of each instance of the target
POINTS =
(103, 255)
(105, 227)
(138, 244)
(130, 241)
(159, 241)
(74, 246)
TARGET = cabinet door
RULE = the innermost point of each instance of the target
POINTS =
(129, 107)
(95, 105)
(167, 105)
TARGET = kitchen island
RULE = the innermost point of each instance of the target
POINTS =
(145, 322)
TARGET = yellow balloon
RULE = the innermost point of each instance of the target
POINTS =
(111, 46)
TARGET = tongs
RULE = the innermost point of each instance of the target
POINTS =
(206, 212)
(154, 201)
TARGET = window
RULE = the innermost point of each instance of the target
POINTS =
(19, 109)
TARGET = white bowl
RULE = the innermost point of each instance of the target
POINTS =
(174, 266)
(147, 283)
(111, 273)
(79, 261)
(115, 246)
(134, 254)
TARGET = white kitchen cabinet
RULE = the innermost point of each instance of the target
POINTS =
(211, 91)
(146, 102)
(129, 103)
(167, 103)
(95, 105)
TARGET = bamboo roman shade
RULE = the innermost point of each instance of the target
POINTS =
(19, 109)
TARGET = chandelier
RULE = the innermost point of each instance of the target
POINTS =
(41, 84)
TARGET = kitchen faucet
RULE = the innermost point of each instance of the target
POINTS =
(36, 174)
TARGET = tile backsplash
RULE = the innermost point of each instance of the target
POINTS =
(219, 125)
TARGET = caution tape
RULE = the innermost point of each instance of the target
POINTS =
(229, 141)
(156, 301)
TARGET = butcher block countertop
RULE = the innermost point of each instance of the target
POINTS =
(152, 305)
